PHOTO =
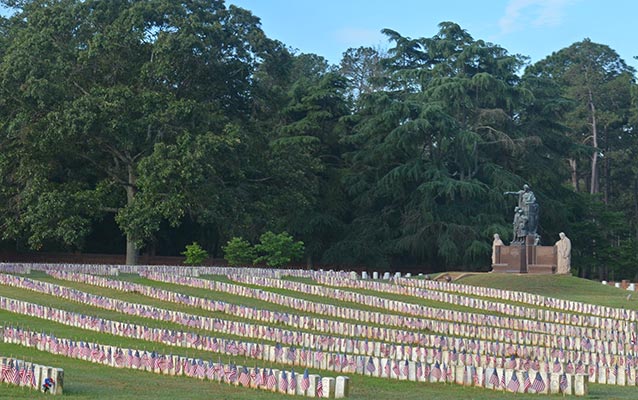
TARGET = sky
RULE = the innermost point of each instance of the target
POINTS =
(533, 28)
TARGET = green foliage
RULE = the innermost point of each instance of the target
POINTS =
(239, 251)
(194, 253)
(279, 249)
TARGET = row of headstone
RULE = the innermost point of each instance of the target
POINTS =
(278, 381)
(619, 337)
(535, 300)
(280, 353)
(372, 349)
(269, 379)
(622, 285)
(521, 337)
(270, 353)
(502, 294)
(562, 318)
(116, 269)
(34, 376)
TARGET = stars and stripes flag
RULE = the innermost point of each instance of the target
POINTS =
(244, 378)
(254, 377)
(283, 382)
(5, 372)
(538, 385)
(562, 382)
(271, 382)
(305, 381)
(527, 383)
(231, 374)
(513, 384)
(494, 380)
(370, 366)
(395, 368)
(436, 371)
(556, 368)
(406, 369)
(292, 385)
(319, 388)
(387, 367)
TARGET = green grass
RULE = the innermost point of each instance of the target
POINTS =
(85, 380)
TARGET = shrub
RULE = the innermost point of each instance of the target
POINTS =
(238, 252)
(279, 249)
(194, 253)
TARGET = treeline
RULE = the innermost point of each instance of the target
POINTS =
(148, 125)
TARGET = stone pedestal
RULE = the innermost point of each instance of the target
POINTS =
(525, 258)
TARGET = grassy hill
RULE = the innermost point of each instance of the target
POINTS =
(85, 380)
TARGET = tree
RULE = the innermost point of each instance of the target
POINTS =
(277, 250)
(239, 252)
(102, 86)
(195, 255)
(432, 152)
(596, 82)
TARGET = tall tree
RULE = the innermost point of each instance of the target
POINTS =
(433, 152)
(98, 86)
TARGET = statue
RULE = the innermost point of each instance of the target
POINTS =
(519, 224)
(563, 254)
(527, 203)
(497, 242)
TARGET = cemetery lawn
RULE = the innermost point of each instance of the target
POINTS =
(85, 380)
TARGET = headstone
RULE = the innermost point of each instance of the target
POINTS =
(364, 274)
(554, 383)
(617, 284)
(397, 275)
(115, 271)
(632, 287)
(386, 275)
(58, 377)
(604, 282)
(408, 275)
(354, 275)
(342, 387)
(569, 388)
(328, 387)
(459, 373)
(312, 387)
(375, 275)
(580, 385)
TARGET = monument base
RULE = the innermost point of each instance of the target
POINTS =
(525, 258)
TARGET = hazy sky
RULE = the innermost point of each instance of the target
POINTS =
(534, 28)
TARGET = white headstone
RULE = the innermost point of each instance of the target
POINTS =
(364, 274)
(375, 275)
(342, 387)
(328, 387)
(386, 275)
(632, 287)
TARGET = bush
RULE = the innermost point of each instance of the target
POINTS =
(238, 252)
(195, 255)
(279, 249)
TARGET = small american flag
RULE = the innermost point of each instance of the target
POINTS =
(370, 366)
(319, 388)
(513, 384)
(538, 385)
(494, 379)
(305, 381)
(562, 383)
(283, 382)
(293, 382)
(272, 380)
(244, 378)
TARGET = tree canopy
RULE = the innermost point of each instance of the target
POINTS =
(150, 125)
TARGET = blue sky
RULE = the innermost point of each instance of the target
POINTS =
(534, 28)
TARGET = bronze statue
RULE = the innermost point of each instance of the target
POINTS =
(530, 210)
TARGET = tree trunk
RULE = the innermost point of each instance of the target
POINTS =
(132, 252)
(572, 166)
(593, 187)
